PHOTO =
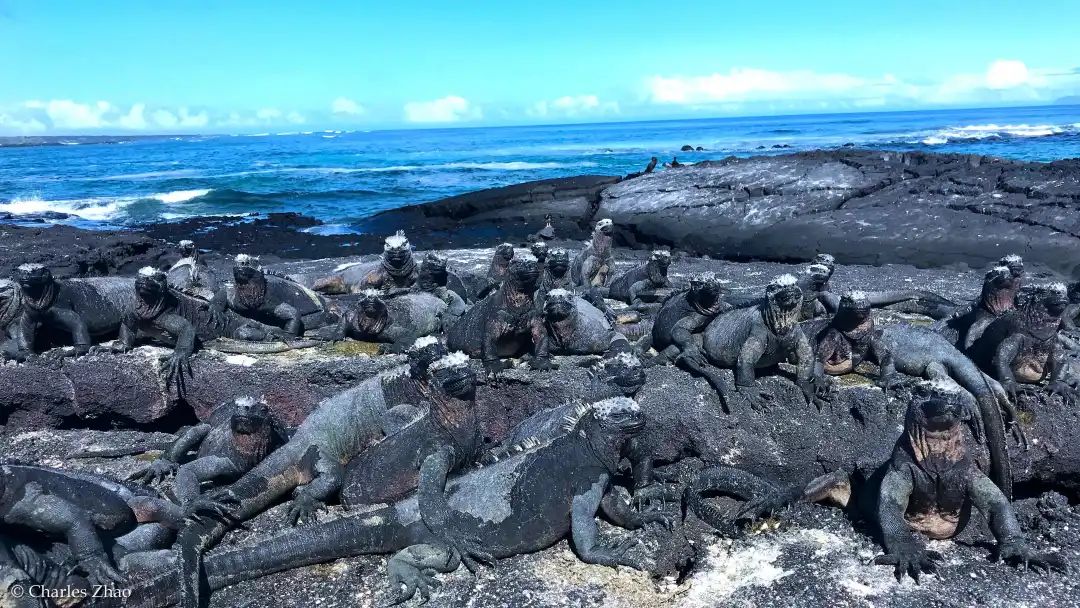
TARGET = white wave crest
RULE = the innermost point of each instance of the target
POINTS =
(977, 132)
(179, 196)
(94, 209)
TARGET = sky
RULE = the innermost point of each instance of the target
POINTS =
(246, 66)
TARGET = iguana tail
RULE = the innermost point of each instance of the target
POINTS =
(354, 534)
(760, 496)
(241, 347)
(991, 401)
(132, 450)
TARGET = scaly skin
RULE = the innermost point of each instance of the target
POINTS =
(522, 504)
(192, 275)
(396, 271)
(271, 299)
(594, 266)
(505, 324)
(929, 486)
(556, 275)
(966, 325)
(576, 327)
(238, 436)
(1022, 346)
(435, 278)
(643, 282)
(762, 336)
(850, 338)
(395, 322)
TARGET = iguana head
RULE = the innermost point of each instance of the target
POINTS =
(854, 309)
(188, 249)
(604, 227)
(455, 376)
(658, 265)
(1014, 263)
(151, 284)
(932, 426)
(826, 260)
(558, 305)
(817, 276)
(423, 353)
(504, 252)
(33, 277)
(624, 371)
(432, 272)
(608, 426)
(705, 291)
(557, 263)
(999, 290)
(397, 251)
(10, 302)
(246, 269)
(370, 303)
(539, 249)
(250, 415)
(1042, 308)
(783, 299)
(524, 274)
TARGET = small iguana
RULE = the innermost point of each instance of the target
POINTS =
(395, 270)
(271, 299)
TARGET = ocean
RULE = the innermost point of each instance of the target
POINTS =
(343, 177)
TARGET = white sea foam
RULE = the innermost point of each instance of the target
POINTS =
(977, 132)
(179, 196)
(95, 209)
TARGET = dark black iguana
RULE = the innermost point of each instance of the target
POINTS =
(1022, 346)
(928, 488)
(642, 286)
(395, 322)
(237, 436)
(521, 504)
(435, 278)
(10, 311)
(575, 327)
(395, 270)
(271, 299)
(762, 336)
(964, 325)
(555, 274)
(683, 316)
(190, 273)
(100, 519)
(505, 324)
(539, 250)
(849, 338)
(594, 265)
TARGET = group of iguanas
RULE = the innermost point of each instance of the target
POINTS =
(404, 450)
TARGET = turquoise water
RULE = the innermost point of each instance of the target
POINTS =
(343, 177)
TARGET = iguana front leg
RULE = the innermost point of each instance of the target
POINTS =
(750, 353)
(168, 462)
(1006, 353)
(70, 321)
(541, 351)
(1012, 548)
(489, 349)
(813, 387)
(309, 499)
(585, 533)
(399, 338)
(435, 509)
(189, 478)
(54, 515)
(1055, 365)
(906, 553)
(616, 506)
(179, 364)
(294, 323)
(887, 378)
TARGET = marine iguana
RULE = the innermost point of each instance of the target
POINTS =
(75, 310)
(505, 324)
(499, 269)
(191, 274)
(539, 250)
(94, 515)
(21, 566)
(154, 313)
(10, 311)
(272, 299)
(311, 464)
(1021, 346)
(238, 436)
(520, 504)
(594, 265)
(851, 337)
(395, 322)
(395, 270)
(447, 428)
(965, 325)
(634, 285)
(434, 277)
(762, 336)
(1068, 320)
(555, 275)
(930, 484)
(575, 327)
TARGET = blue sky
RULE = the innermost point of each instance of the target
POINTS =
(248, 66)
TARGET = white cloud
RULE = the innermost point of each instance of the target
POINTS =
(295, 118)
(68, 114)
(268, 114)
(344, 105)
(12, 124)
(135, 119)
(1004, 80)
(572, 106)
(448, 109)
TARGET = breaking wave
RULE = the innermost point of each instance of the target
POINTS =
(988, 131)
